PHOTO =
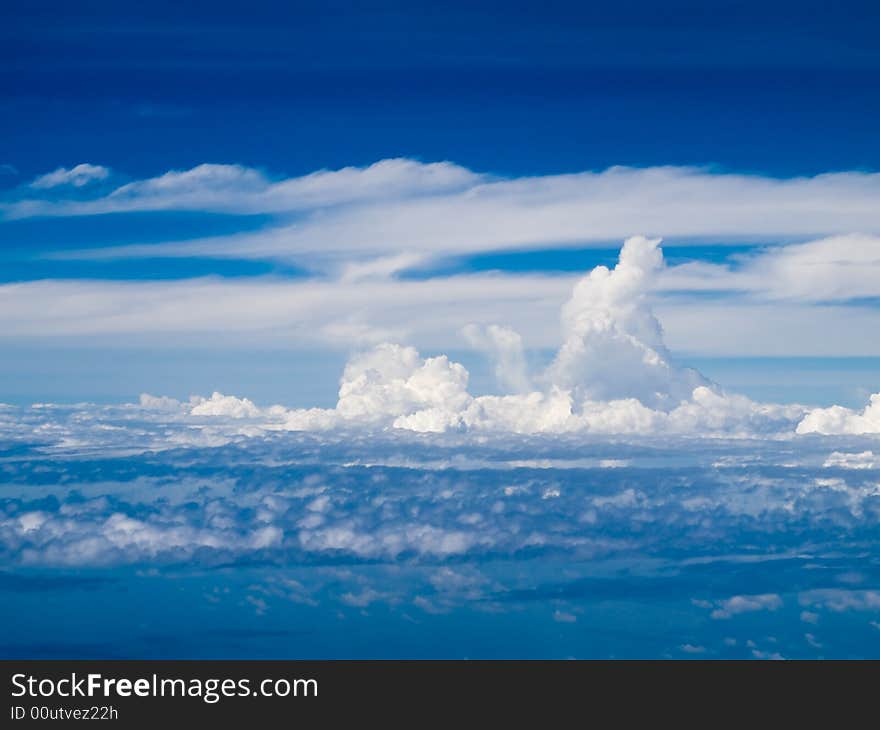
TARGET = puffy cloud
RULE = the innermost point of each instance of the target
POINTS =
(861, 460)
(613, 344)
(77, 176)
(730, 607)
(125, 488)
(612, 375)
(537, 412)
(217, 405)
(840, 420)
(393, 381)
(224, 405)
(367, 224)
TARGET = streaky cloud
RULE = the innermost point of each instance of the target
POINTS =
(77, 177)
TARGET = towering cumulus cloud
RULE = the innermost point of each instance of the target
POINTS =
(612, 374)
(613, 344)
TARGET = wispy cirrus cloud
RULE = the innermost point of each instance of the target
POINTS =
(360, 231)
(802, 299)
(239, 189)
(440, 209)
(77, 177)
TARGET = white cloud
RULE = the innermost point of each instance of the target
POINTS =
(613, 345)
(280, 311)
(393, 381)
(224, 405)
(839, 268)
(759, 315)
(365, 225)
(400, 205)
(77, 176)
(738, 328)
(611, 375)
(861, 460)
(692, 649)
(840, 420)
(734, 605)
(239, 189)
(839, 600)
(158, 484)
(159, 403)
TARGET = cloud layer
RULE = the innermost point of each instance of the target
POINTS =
(402, 205)
(612, 375)
(366, 238)
(88, 485)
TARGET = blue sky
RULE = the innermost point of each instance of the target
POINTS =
(500, 91)
(439, 329)
(511, 88)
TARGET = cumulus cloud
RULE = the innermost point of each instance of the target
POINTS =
(393, 381)
(840, 420)
(77, 176)
(861, 460)
(360, 227)
(730, 607)
(613, 344)
(132, 484)
(217, 405)
(224, 405)
(612, 374)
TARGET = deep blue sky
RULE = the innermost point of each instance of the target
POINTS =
(507, 87)
(514, 88)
